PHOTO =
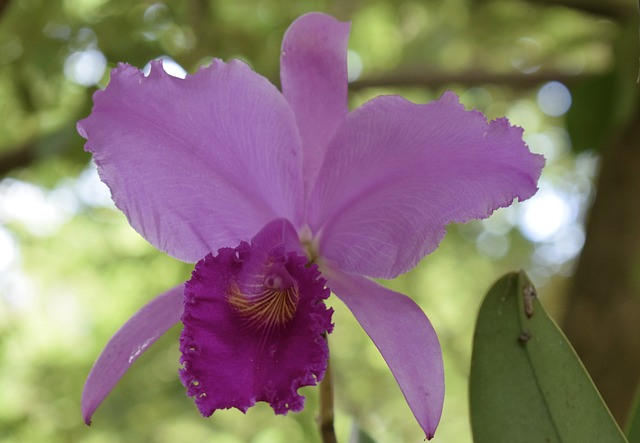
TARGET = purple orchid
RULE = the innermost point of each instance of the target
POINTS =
(280, 197)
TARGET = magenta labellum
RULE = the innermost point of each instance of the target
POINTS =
(259, 309)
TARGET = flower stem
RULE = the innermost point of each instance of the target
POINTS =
(325, 420)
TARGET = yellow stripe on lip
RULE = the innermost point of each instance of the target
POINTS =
(271, 307)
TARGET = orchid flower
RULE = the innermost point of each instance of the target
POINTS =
(281, 197)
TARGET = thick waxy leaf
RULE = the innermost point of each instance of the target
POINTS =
(632, 425)
(527, 384)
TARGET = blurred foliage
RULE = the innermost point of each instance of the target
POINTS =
(72, 270)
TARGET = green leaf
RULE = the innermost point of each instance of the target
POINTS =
(527, 384)
(632, 426)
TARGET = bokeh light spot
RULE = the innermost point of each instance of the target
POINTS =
(554, 99)
(169, 65)
(544, 215)
(354, 65)
(85, 68)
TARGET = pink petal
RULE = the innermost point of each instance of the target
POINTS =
(244, 341)
(131, 340)
(313, 70)
(397, 173)
(405, 338)
(200, 163)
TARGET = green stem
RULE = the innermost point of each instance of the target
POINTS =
(326, 408)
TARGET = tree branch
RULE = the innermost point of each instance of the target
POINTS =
(441, 79)
(614, 9)
(19, 157)
(3, 6)
(601, 318)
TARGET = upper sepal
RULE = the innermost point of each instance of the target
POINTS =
(313, 71)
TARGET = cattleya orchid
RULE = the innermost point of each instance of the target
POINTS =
(282, 197)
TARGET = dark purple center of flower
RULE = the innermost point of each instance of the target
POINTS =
(254, 326)
(268, 304)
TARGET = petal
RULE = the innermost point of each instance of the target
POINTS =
(313, 71)
(254, 322)
(132, 339)
(405, 338)
(199, 163)
(397, 173)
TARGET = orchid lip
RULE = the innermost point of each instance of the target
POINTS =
(259, 309)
